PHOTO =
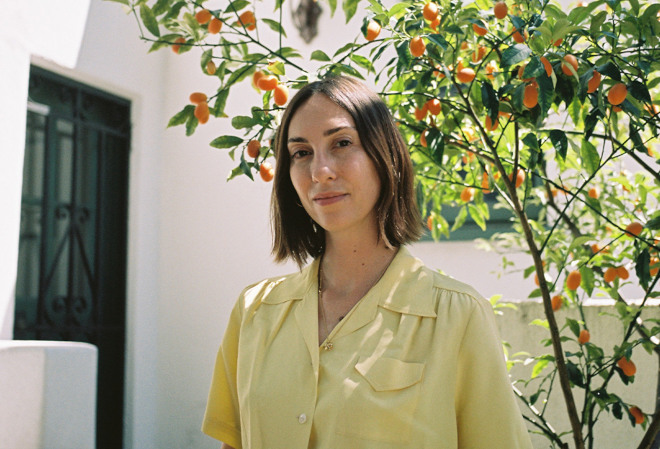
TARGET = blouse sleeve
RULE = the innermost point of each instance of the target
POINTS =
(222, 420)
(486, 408)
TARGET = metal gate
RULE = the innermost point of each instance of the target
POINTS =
(71, 282)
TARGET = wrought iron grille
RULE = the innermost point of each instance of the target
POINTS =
(71, 282)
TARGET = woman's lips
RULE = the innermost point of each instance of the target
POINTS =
(327, 199)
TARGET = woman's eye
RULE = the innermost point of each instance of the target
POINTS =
(297, 154)
(343, 143)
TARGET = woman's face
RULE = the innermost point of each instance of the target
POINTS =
(335, 179)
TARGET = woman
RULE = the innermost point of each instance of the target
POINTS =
(365, 347)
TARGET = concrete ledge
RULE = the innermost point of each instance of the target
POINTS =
(48, 392)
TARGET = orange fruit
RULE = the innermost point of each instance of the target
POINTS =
(215, 25)
(546, 65)
(491, 68)
(485, 182)
(430, 11)
(256, 76)
(422, 139)
(266, 171)
(489, 125)
(467, 194)
(652, 109)
(203, 16)
(584, 337)
(281, 95)
(177, 44)
(465, 75)
(373, 30)
(253, 148)
(556, 302)
(267, 82)
(569, 60)
(517, 37)
(594, 82)
(634, 228)
(637, 413)
(417, 46)
(627, 366)
(420, 113)
(520, 177)
(558, 42)
(434, 106)
(531, 96)
(500, 10)
(622, 272)
(610, 275)
(248, 20)
(654, 265)
(435, 23)
(594, 193)
(202, 112)
(617, 94)
(198, 97)
(211, 68)
(429, 223)
(478, 30)
(573, 280)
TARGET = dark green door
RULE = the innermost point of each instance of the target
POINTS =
(71, 282)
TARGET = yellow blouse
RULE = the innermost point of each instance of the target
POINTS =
(417, 363)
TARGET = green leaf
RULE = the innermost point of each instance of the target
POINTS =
(439, 40)
(226, 142)
(460, 218)
(515, 54)
(540, 365)
(560, 142)
(349, 7)
(234, 173)
(654, 222)
(574, 374)
(182, 116)
(235, 6)
(333, 7)
(318, 55)
(245, 168)
(220, 103)
(590, 157)
(206, 57)
(242, 121)
(123, 2)
(574, 326)
(191, 125)
(490, 100)
(362, 62)
(540, 322)
(275, 26)
(642, 267)
(476, 215)
(149, 20)
(639, 91)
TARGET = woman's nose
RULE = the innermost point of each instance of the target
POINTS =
(323, 167)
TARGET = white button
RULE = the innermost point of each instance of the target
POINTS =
(302, 419)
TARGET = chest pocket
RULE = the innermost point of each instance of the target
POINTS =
(381, 399)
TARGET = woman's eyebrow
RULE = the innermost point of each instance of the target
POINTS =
(326, 133)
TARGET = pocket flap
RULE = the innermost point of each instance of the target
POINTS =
(385, 373)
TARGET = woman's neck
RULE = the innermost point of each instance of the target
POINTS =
(354, 263)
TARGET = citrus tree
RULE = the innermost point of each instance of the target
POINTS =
(545, 113)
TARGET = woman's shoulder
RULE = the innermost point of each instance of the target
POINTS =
(415, 287)
(277, 289)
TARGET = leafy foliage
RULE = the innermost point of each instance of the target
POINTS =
(561, 154)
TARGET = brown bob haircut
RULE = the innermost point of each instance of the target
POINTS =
(295, 235)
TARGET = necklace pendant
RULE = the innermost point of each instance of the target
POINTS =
(328, 346)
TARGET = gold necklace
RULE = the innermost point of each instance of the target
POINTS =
(328, 345)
